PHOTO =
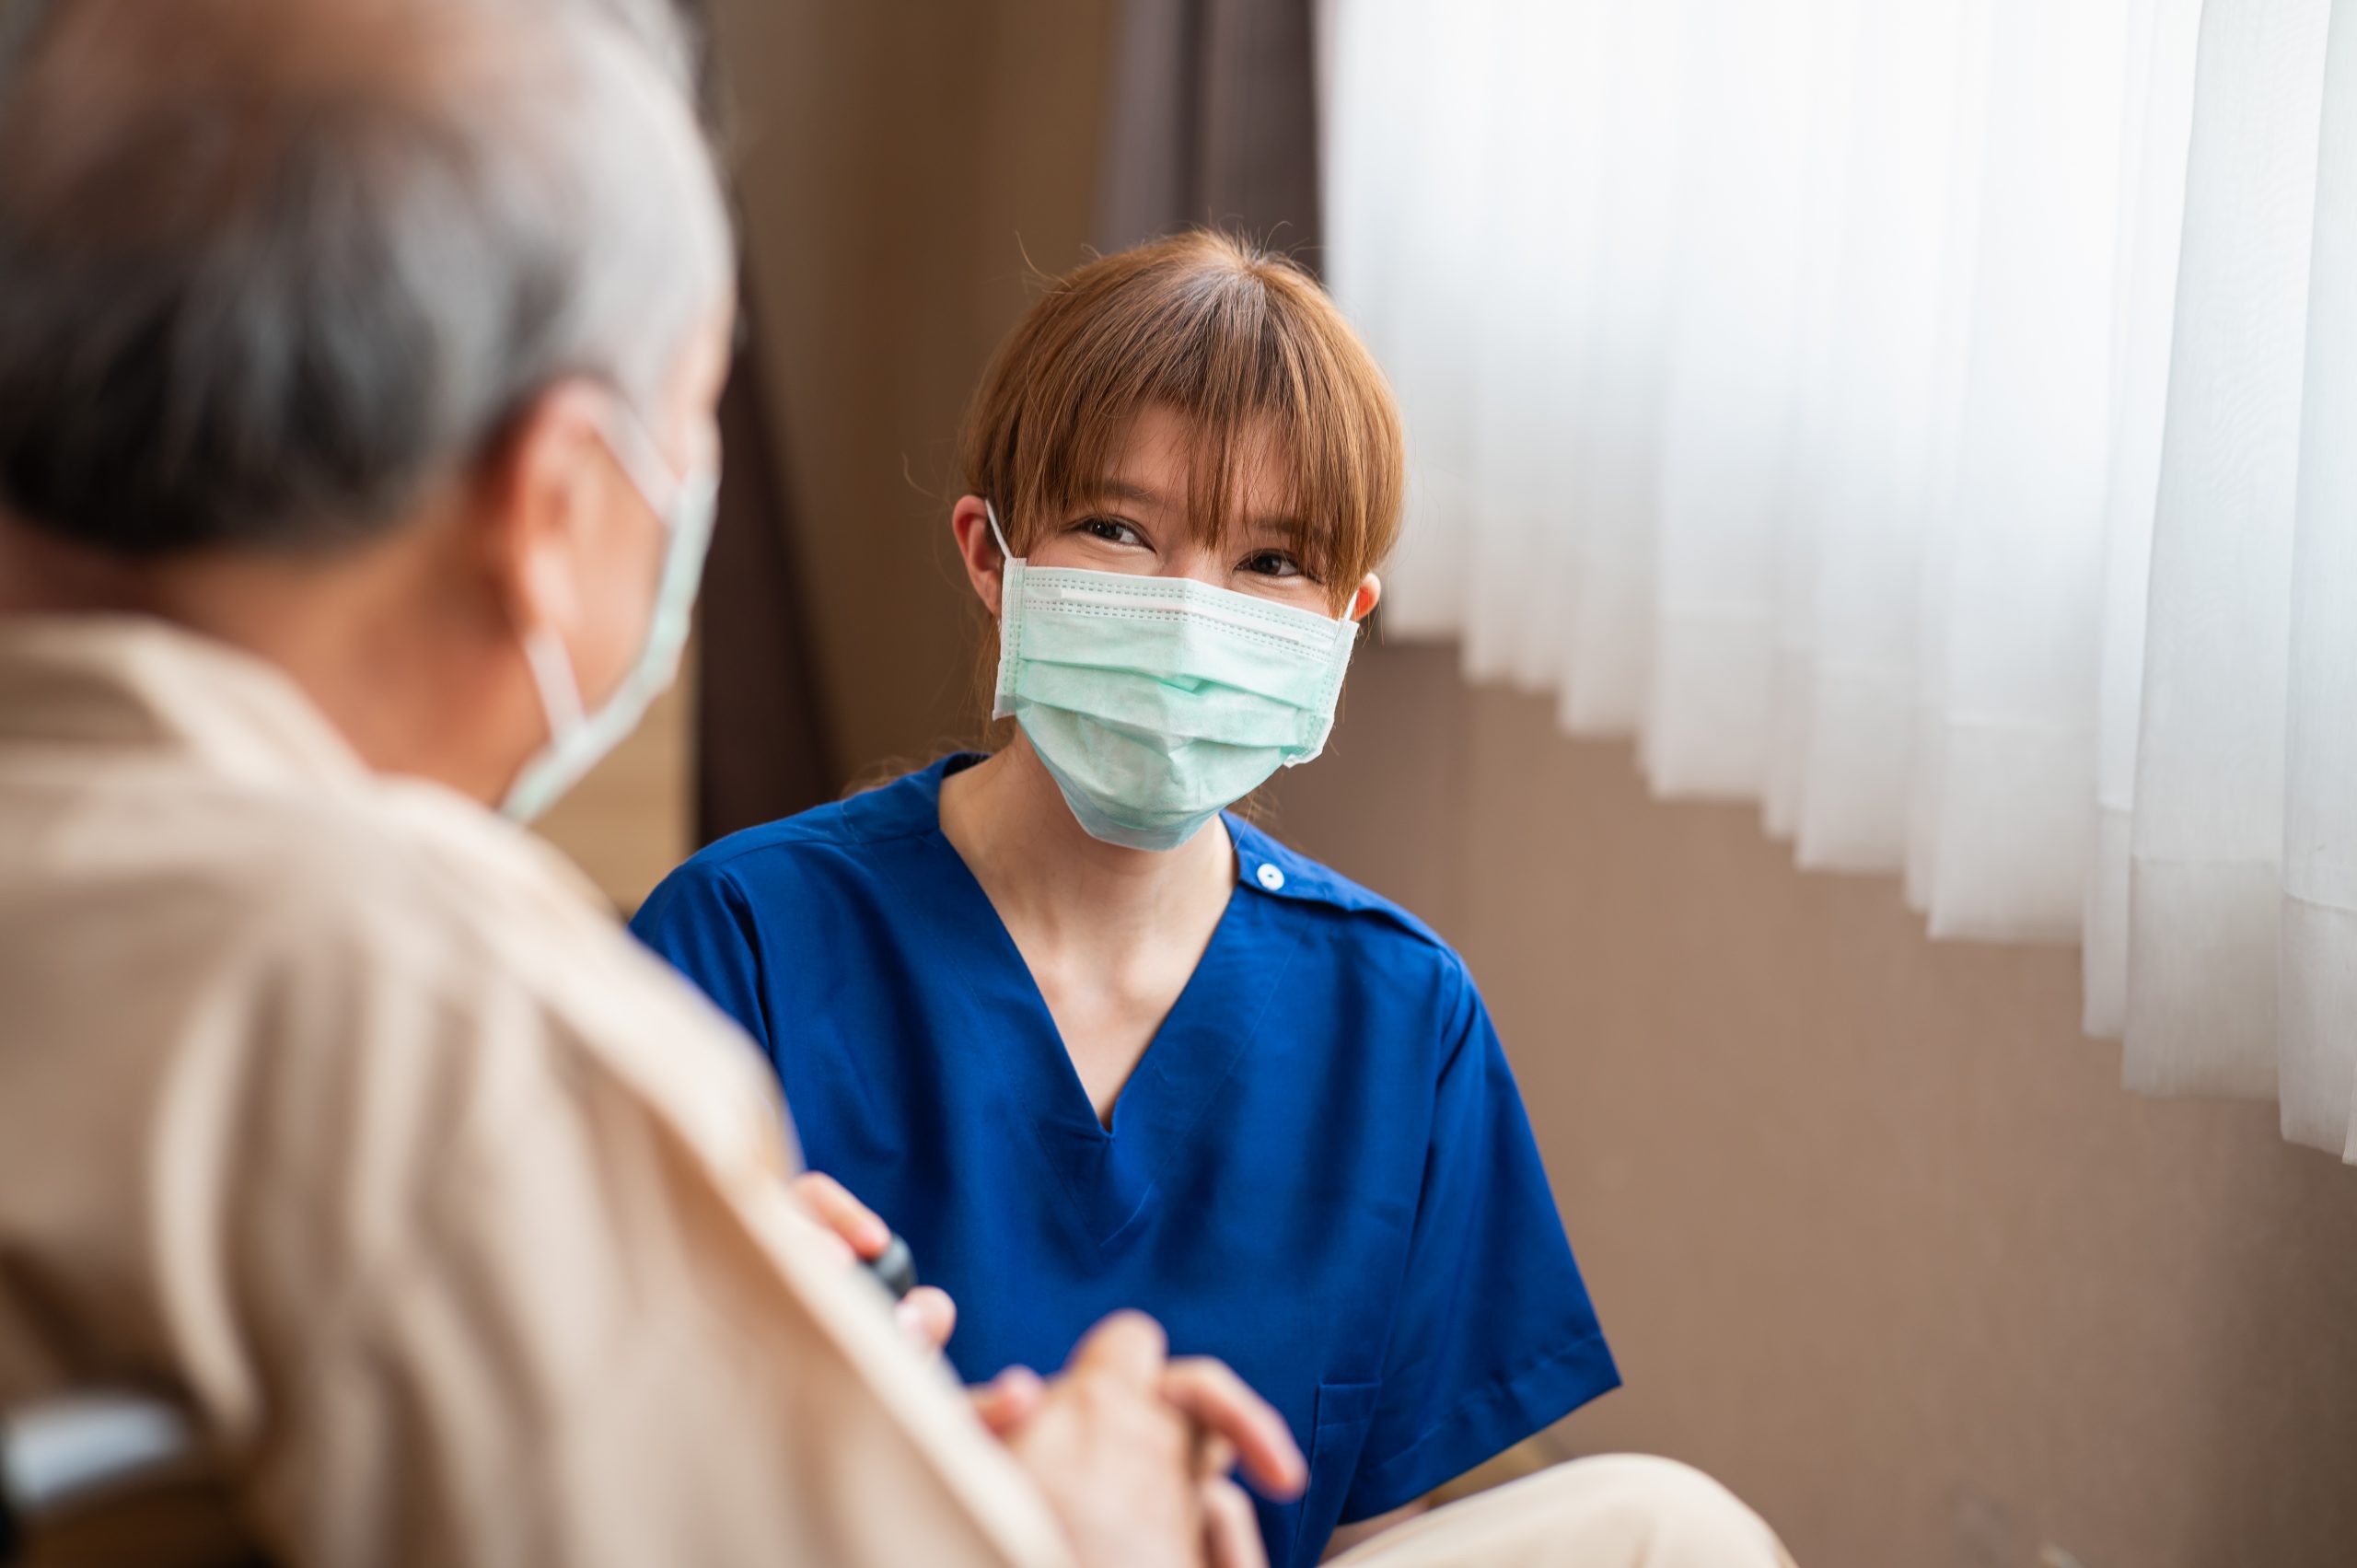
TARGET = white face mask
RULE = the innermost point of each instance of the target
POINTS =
(1158, 702)
(578, 740)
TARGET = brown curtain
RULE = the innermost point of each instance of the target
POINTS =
(762, 739)
(1211, 118)
(762, 745)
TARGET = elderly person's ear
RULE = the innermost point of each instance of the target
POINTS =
(541, 492)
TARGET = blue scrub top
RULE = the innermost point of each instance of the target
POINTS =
(1320, 1173)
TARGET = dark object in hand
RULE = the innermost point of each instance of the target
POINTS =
(895, 1268)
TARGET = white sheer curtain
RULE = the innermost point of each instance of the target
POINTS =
(1937, 421)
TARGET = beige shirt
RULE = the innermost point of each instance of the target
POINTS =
(341, 1110)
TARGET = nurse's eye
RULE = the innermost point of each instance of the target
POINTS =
(1112, 530)
(1272, 563)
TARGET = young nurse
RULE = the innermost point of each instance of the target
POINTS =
(1087, 1041)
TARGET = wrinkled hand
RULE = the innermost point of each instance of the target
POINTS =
(1133, 1449)
(926, 1312)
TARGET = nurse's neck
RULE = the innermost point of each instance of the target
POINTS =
(1009, 822)
(1111, 934)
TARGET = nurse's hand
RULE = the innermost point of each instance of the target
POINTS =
(926, 1314)
(1131, 1450)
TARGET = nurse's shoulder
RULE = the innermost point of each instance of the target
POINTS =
(1283, 871)
(1372, 956)
(800, 861)
(748, 917)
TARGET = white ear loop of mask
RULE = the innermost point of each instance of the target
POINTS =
(628, 440)
(551, 669)
(544, 651)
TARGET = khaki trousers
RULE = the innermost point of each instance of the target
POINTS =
(1619, 1511)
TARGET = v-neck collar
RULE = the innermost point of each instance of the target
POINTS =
(1108, 1175)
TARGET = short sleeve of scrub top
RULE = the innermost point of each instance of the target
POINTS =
(1320, 1173)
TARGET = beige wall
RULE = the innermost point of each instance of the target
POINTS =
(1876, 1234)
(627, 823)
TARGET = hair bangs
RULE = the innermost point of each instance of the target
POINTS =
(1250, 354)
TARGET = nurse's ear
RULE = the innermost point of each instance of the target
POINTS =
(986, 567)
(1370, 592)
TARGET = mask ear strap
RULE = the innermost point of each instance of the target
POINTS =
(552, 673)
(992, 513)
(635, 447)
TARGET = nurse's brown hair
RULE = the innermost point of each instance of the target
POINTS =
(1240, 343)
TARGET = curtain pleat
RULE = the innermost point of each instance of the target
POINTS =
(2206, 842)
(2317, 968)
(1211, 118)
(2162, 44)
(762, 746)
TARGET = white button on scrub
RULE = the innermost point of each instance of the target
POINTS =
(1271, 878)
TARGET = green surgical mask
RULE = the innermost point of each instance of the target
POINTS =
(1158, 702)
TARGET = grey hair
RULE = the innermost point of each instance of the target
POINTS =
(270, 268)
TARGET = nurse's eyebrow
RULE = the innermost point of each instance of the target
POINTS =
(1122, 489)
(1280, 526)
(1284, 527)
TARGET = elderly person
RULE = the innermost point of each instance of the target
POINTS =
(358, 367)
